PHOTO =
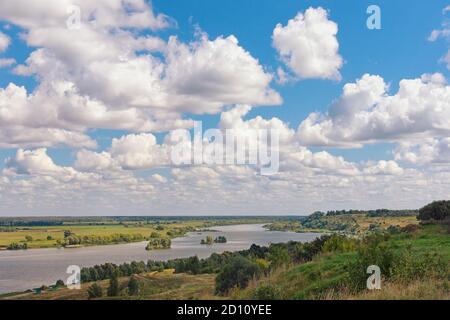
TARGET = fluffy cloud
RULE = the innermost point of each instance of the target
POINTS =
(104, 13)
(366, 113)
(384, 168)
(308, 45)
(110, 76)
(32, 178)
(427, 151)
(4, 42)
(139, 152)
(31, 162)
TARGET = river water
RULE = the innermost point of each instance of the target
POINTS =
(25, 269)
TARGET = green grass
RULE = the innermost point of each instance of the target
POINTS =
(40, 234)
(325, 276)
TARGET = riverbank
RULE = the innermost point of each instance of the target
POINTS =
(322, 269)
(113, 231)
(23, 270)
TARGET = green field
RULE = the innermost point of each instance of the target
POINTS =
(108, 227)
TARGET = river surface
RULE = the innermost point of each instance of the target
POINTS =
(26, 269)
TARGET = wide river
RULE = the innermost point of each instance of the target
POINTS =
(25, 269)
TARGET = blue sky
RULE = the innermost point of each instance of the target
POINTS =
(400, 50)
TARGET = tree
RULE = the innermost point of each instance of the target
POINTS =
(95, 291)
(28, 238)
(237, 273)
(278, 256)
(438, 210)
(209, 240)
(133, 287)
(60, 283)
(113, 289)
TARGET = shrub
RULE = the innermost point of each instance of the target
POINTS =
(60, 283)
(409, 267)
(373, 251)
(113, 289)
(266, 292)
(339, 243)
(237, 273)
(95, 291)
(133, 287)
(278, 256)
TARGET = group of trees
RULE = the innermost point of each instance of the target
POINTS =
(158, 243)
(17, 246)
(320, 220)
(114, 289)
(373, 213)
(71, 239)
(209, 240)
(251, 263)
(220, 239)
(438, 210)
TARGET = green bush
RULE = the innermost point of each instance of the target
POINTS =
(133, 287)
(113, 289)
(95, 291)
(339, 243)
(373, 251)
(409, 266)
(267, 292)
(237, 273)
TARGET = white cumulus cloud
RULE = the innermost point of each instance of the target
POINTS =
(308, 45)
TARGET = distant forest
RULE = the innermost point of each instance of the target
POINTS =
(107, 220)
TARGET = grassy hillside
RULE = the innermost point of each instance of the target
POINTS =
(153, 286)
(328, 277)
(352, 224)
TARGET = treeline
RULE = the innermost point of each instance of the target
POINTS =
(72, 239)
(265, 258)
(17, 246)
(28, 223)
(93, 220)
(374, 213)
